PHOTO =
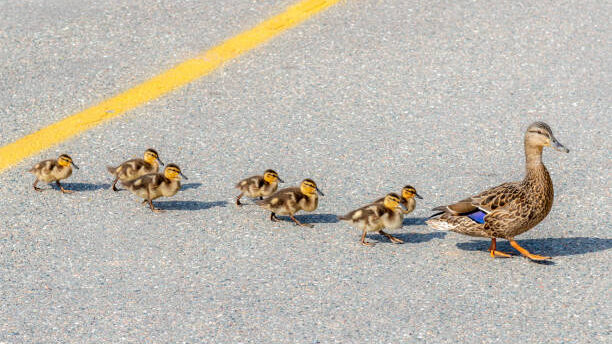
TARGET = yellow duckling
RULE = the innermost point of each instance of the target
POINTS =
(135, 168)
(377, 216)
(408, 194)
(53, 171)
(258, 186)
(154, 185)
(288, 201)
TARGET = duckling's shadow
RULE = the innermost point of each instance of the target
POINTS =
(190, 186)
(411, 238)
(554, 247)
(414, 221)
(314, 218)
(189, 205)
(78, 187)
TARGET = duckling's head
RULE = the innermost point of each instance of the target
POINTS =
(409, 192)
(173, 172)
(151, 155)
(392, 201)
(539, 134)
(65, 160)
(309, 188)
(271, 176)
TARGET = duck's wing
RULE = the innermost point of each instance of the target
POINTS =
(281, 197)
(478, 206)
(246, 183)
(367, 213)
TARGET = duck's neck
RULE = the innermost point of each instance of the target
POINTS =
(536, 171)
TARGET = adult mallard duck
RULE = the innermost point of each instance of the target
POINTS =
(509, 209)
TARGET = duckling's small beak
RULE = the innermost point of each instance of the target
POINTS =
(159, 161)
(558, 146)
(184, 176)
(319, 191)
(75, 166)
(280, 180)
(417, 196)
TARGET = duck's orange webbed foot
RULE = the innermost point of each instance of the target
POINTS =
(496, 253)
(526, 253)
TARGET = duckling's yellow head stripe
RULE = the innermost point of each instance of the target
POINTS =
(64, 160)
(391, 201)
(308, 187)
(150, 157)
(172, 173)
(270, 177)
(408, 193)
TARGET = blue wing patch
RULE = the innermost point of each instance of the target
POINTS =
(477, 216)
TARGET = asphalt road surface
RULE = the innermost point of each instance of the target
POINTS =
(363, 98)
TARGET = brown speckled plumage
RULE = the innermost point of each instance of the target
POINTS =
(288, 201)
(510, 208)
(258, 186)
(154, 185)
(53, 170)
(135, 168)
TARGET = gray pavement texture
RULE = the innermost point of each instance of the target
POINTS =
(363, 98)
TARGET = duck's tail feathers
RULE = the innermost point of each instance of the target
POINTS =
(440, 225)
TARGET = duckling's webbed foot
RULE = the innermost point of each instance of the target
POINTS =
(155, 210)
(365, 243)
(36, 187)
(238, 200)
(62, 188)
(273, 217)
(391, 237)
(261, 198)
(495, 253)
(114, 187)
(299, 223)
(526, 253)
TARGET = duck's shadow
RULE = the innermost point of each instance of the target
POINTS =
(411, 238)
(78, 187)
(414, 221)
(314, 218)
(189, 205)
(554, 247)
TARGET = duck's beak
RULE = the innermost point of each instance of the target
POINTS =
(75, 166)
(417, 196)
(319, 191)
(184, 176)
(558, 146)
(280, 180)
(159, 161)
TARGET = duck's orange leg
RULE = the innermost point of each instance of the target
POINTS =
(495, 252)
(526, 253)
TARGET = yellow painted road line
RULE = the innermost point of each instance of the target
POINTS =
(179, 76)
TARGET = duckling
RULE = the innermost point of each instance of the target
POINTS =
(288, 201)
(135, 168)
(376, 216)
(53, 171)
(258, 186)
(407, 200)
(154, 185)
(509, 209)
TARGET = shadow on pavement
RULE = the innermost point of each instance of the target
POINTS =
(414, 221)
(553, 247)
(189, 205)
(190, 186)
(314, 218)
(409, 238)
(78, 187)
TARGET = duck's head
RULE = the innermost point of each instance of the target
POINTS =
(151, 155)
(309, 188)
(409, 192)
(539, 134)
(65, 160)
(173, 172)
(393, 201)
(271, 176)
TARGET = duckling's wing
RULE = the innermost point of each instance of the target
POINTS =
(367, 213)
(281, 197)
(256, 181)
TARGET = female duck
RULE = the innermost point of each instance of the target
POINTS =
(509, 209)
(53, 171)
(377, 216)
(154, 185)
(288, 201)
(135, 168)
(258, 186)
